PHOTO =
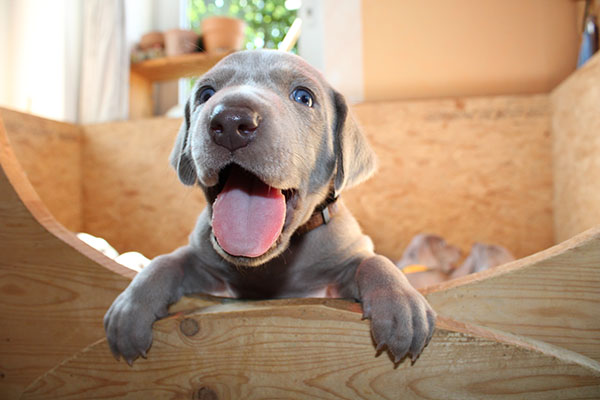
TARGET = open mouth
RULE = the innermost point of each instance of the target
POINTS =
(248, 214)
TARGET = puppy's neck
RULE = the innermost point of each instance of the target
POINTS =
(321, 216)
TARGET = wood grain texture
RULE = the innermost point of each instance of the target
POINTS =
(309, 350)
(50, 154)
(476, 169)
(54, 289)
(552, 296)
(576, 151)
(132, 196)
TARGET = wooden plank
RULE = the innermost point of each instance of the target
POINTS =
(576, 151)
(552, 296)
(54, 289)
(50, 154)
(132, 196)
(308, 349)
(175, 67)
(474, 169)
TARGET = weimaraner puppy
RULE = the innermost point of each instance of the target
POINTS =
(272, 146)
(483, 256)
(428, 260)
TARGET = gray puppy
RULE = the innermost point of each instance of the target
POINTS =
(272, 145)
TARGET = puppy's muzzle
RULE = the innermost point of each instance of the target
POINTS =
(233, 127)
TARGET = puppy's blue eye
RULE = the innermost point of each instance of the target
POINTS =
(303, 96)
(204, 94)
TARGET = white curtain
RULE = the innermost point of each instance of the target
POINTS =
(104, 86)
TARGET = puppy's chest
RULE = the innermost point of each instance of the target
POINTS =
(279, 282)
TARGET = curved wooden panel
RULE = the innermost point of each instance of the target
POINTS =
(553, 296)
(54, 289)
(50, 154)
(316, 350)
(576, 151)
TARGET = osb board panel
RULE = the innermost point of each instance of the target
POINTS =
(476, 169)
(312, 351)
(49, 152)
(53, 290)
(132, 196)
(576, 149)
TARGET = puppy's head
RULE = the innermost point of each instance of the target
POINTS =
(268, 140)
(431, 251)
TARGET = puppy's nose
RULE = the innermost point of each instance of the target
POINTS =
(233, 127)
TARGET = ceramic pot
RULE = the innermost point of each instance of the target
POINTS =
(180, 41)
(223, 34)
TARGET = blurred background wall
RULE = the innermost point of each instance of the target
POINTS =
(441, 48)
(369, 49)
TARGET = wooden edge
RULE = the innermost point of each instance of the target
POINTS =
(235, 309)
(174, 67)
(31, 201)
(551, 296)
(583, 239)
(590, 64)
(317, 349)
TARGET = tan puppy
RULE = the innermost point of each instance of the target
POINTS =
(428, 260)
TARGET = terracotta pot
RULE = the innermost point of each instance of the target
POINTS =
(151, 40)
(223, 34)
(180, 41)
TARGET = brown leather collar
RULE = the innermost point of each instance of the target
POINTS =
(320, 216)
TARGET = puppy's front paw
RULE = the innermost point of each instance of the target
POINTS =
(128, 326)
(401, 320)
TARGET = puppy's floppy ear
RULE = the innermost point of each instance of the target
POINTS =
(356, 161)
(181, 158)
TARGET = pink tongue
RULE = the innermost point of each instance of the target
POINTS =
(248, 215)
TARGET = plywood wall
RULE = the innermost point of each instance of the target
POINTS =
(477, 169)
(440, 48)
(50, 154)
(469, 169)
(576, 149)
(132, 196)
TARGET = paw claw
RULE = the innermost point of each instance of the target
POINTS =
(401, 320)
(413, 358)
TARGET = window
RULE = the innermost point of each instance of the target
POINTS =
(267, 21)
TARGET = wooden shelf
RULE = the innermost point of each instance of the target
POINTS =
(182, 66)
(144, 74)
